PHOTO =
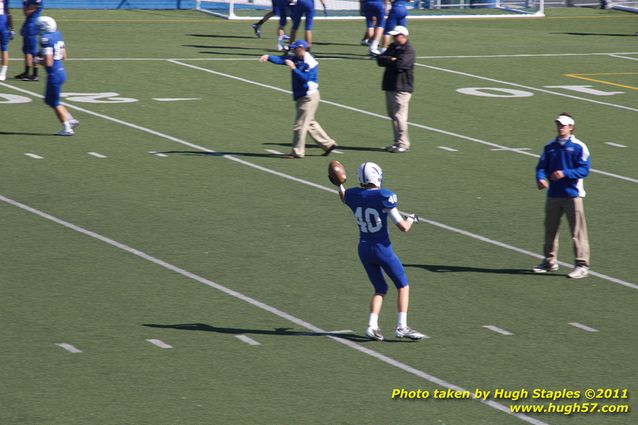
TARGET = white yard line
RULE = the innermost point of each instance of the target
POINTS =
(248, 340)
(497, 330)
(445, 148)
(327, 189)
(507, 83)
(372, 114)
(619, 56)
(175, 99)
(616, 145)
(34, 156)
(162, 155)
(97, 155)
(525, 55)
(297, 321)
(345, 331)
(274, 152)
(511, 149)
(159, 343)
(68, 347)
(583, 327)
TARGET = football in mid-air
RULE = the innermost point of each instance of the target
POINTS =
(336, 173)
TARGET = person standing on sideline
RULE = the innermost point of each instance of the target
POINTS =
(375, 20)
(29, 31)
(398, 84)
(6, 34)
(398, 16)
(372, 206)
(299, 9)
(565, 162)
(305, 92)
(52, 54)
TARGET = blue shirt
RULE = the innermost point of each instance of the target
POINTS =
(4, 7)
(304, 77)
(51, 43)
(370, 208)
(572, 158)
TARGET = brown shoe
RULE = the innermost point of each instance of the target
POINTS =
(329, 150)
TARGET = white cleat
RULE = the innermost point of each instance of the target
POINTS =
(74, 124)
(65, 132)
(579, 272)
(544, 268)
(374, 52)
(374, 333)
(3, 77)
(408, 333)
(280, 46)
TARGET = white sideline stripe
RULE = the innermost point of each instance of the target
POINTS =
(174, 99)
(583, 327)
(34, 156)
(159, 343)
(248, 340)
(555, 93)
(274, 152)
(345, 331)
(97, 155)
(445, 148)
(616, 145)
(497, 330)
(372, 114)
(163, 155)
(321, 187)
(623, 57)
(293, 319)
(525, 55)
(68, 347)
(511, 149)
(337, 151)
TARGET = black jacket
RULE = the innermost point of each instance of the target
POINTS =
(399, 73)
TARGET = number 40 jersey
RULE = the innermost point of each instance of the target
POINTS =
(370, 208)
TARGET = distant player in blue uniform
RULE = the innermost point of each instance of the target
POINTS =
(282, 9)
(29, 32)
(375, 20)
(53, 52)
(372, 206)
(307, 8)
(6, 34)
(398, 16)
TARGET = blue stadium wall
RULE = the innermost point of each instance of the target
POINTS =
(114, 4)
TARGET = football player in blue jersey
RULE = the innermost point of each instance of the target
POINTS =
(307, 8)
(398, 16)
(372, 206)
(29, 31)
(375, 20)
(6, 34)
(52, 54)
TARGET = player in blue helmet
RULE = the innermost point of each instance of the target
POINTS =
(53, 52)
(29, 32)
(6, 34)
(372, 206)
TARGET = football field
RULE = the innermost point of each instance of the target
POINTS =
(165, 266)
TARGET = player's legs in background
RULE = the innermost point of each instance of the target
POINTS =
(284, 12)
(310, 15)
(4, 47)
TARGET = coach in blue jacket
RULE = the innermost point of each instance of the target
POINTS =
(565, 162)
(305, 92)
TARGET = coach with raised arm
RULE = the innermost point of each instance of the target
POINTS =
(398, 84)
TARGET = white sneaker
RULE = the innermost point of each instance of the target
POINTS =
(74, 123)
(579, 272)
(280, 46)
(544, 268)
(374, 333)
(374, 52)
(398, 149)
(3, 77)
(408, 333)
(66, 132)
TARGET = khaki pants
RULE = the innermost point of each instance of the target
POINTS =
(397, 104)
(305, 123)
(575, 211)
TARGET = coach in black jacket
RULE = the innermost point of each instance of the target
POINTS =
(398, 84)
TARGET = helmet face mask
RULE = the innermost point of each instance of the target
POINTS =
(46, 24)
(369, 173)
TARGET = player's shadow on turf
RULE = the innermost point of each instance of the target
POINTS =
(221, 36)
(439, 268)
(203, 327)
(340, 147)
(24, 133)
(596, 33)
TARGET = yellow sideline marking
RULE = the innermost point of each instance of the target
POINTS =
(583, 77)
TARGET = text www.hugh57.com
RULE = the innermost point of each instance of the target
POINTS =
(569, 409)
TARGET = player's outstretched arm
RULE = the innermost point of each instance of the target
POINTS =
(403, 224)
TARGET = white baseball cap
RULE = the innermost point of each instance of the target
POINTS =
(399, 29)
(565, 120)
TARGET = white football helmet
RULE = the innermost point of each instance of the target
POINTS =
(46, 24)
(369, 172)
